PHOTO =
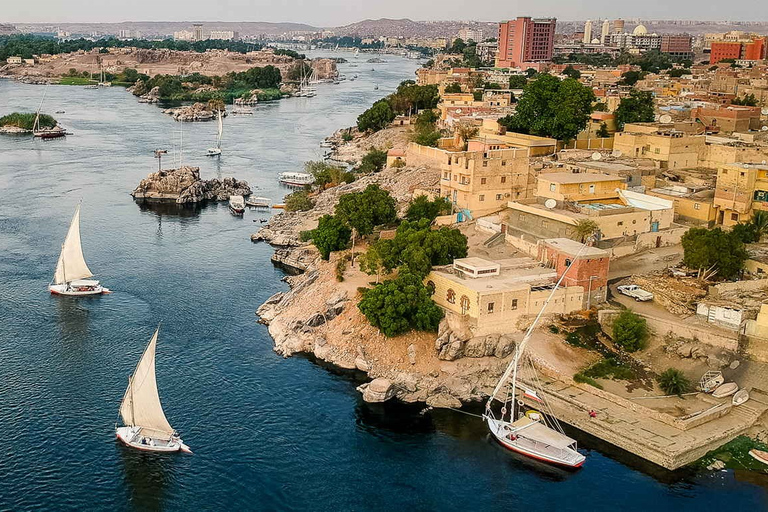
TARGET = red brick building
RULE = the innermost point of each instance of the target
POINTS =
(525, 40)
(751, 50)
(590, 270)
(677, 45)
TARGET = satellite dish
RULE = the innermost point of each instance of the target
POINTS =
(764, 110)
(458, 111)
(666, 118)
(550, 203)
(616, 153)
(596, 156)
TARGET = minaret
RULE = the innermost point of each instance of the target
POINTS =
(588, 32)
(605, 31)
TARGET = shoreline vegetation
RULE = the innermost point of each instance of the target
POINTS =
(24, 122)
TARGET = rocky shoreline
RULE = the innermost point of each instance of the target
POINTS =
(184, 186)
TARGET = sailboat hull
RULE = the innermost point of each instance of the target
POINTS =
(568, 458)
(132, 437)
(213, 152)
(63, 289)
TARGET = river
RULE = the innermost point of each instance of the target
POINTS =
(267, 432)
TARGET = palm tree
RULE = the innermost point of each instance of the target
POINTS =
(585, 228)
(759, 224)
(673, 382)
(463, 132)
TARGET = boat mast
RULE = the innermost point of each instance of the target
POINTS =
(513, 366)
(36, 125)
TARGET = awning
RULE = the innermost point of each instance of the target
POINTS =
(537, 431)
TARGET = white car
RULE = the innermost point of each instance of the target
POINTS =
(634, 291)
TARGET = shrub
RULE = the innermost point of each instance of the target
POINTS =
(373, 161)
(609, 368)
(27, 121)
(580, 377)
(298, 201)
(367, 209)
(673, 382)
(423, 208)
(630, 331)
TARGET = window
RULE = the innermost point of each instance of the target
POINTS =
(499, 197)
(503, 162)
(464, 304)
(591, 189)
(451, 296)
(482, 181)
(431, 287)
(735, 217)
(552, 187)
(485, 163)
(567, 262)
(503, 178)
(514, 304)
(490, 307)
(696, 206)
(449, 160)
(482, 197)
(620, 223)
(634, 222)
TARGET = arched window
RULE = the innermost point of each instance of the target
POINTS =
(464, 304)
(431, 287)
(451, 296)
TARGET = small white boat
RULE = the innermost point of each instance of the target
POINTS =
(710, 381)
(145, 425)
(257, 202)
(237, 205)
(740, 397)
(726, 389)
(72, 272)
(759, 455)
(217, 150)
(296, 179)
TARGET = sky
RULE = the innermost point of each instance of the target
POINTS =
(330, 13)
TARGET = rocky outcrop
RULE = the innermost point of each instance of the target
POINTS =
(194, 112)
(153, 96)
(378, 390)
(184, 186)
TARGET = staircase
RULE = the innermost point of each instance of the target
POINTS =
(494, 240)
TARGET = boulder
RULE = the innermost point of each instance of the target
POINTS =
(443, 400)
(315, 320)
(505, 346)
(184, 186)
(412, 353)
(685, 350)
(481, 346)
(453, 350)
(378, 390)
(362, 365)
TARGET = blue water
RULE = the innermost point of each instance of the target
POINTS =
(268, 433)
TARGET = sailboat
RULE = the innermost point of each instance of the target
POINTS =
(217, 150)
(45, 133)
(72, 273)
(145, 425)
(523, 430)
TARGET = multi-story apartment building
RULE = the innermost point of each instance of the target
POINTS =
(678, 46)
(525, 40)
(470, 34)
(741, 189)
(673, 149)
(754, 49)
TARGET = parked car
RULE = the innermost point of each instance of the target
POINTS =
(634, 291)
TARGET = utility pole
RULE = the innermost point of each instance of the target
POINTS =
(159, 155)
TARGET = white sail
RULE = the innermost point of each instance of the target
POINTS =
(71, 263)
(221, 130)
(141, 404)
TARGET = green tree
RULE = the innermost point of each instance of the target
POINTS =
(399, 305)
(630, 331)
(673, 382)
(635, 108)
(367, 209)
(551, 107)
(678, 72)
(328, 175)
(376, 118)
(453, 88)
(423, 208)
(298, 201)
(585, 228)
(631, 77)
(759, 224)
(373, 161)
(748, 100)
(425, 130)
(371, 263)
(571, 72)
(518, 81)
(603, 131)
(331, 234)
(714, 251)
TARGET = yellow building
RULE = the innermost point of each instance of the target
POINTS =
(482, 179)
(497, 297)
(673, 149)
(569, 186)
(696, 207)
(741, 189)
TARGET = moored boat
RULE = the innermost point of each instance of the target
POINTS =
(237, 205)
(257, 202)
(726, 389)
(216, 151)
(145, 426)
(296, 179)
(710, 381)
(759, 455)
(72, 272)
(740, 397)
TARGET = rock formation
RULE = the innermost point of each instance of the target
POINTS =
(194, 112)
(184, 186)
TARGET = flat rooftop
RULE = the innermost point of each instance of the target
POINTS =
(572, 248)
(515, 274)
(575, 177)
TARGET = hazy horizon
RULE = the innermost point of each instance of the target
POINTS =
(334, 13)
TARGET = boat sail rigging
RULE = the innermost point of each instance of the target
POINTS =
(72, 272)
(145, 425)
(217, 150)
(530, 433)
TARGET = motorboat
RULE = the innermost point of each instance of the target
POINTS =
(740, 397)
(145, 426)
(237, 205)
(257, 202)
(296, 179)
(724, 390)
(72, 272)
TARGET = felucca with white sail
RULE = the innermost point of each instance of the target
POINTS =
(145, 426)
(520, 428)
(72, 272)
(217, 150)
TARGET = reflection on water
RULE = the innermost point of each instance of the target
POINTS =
(147, 476)
(72, 317)
(170, 208)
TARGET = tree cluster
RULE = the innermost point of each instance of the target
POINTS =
(422, 208)
(26, 121)
(373, 161)
(714, 251)
(748, 100)
(635, 108)
(408, 98)
(550, 107)
(425, 130)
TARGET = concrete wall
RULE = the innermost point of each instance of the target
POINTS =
(757, 284)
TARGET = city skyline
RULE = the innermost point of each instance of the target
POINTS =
(334, 13)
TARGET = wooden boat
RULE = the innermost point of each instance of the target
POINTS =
(710, 381)
(759, 455)
(740, 397)
(72, 272)
(726, 389)
(530, 433)
(237, 205)
(145, 425)
(216, 151)
(45, 133)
